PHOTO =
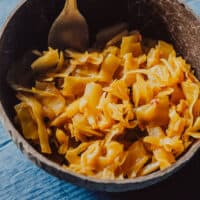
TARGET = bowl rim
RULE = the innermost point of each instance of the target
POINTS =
(82, 180)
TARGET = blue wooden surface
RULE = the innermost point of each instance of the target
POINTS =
(20, 179)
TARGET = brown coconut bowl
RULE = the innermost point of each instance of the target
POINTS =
(27, 28)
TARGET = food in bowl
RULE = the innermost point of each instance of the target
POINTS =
(124, 111)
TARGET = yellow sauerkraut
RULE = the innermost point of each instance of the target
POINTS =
(115, 114)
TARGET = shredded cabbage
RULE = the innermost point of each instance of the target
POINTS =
(92, 104)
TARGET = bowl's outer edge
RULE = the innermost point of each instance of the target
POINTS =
(88, 182)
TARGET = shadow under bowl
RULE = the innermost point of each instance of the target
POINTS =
(27, 28)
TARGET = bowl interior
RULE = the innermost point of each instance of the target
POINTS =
(158, 19)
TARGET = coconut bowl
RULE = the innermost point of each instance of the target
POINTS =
(27, 28)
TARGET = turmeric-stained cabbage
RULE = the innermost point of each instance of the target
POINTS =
(124, 111)
(48, 60)
(41, 127)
